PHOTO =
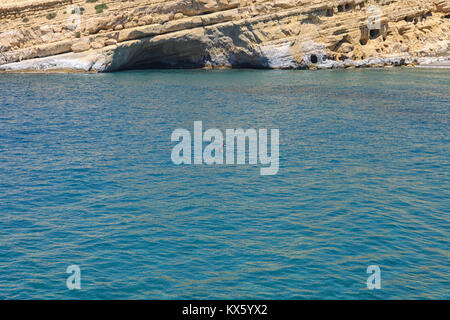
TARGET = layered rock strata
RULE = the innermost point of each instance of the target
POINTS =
(100, 36)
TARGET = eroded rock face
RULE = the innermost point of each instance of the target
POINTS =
(125, 34)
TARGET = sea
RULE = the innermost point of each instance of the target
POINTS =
(87, 180)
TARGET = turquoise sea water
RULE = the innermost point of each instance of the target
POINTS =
(86, 178)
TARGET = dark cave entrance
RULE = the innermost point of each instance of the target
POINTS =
(374, 33)
(165, 54)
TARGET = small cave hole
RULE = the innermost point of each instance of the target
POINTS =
(347, 7)
(374, 33)
(313, 58)
(363, 42)
(340, 8)
(329, 13)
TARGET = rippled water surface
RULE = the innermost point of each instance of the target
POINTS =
(86, 178)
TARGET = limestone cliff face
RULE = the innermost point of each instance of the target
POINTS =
(106, 35)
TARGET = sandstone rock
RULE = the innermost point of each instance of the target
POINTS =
(224, 33)
(178, 15)
(347, 47)
(97, 44)
(110, 42)
(81, 46)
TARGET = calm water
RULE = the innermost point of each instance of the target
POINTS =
(86, 178)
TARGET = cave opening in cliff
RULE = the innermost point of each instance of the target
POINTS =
(163, 54)
(186, 52)
(329, 13)
(340, 8)
(313, 58)
(374, 33)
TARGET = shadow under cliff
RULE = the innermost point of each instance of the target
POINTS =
(186, 52)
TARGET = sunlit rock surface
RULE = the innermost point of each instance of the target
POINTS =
(73, 35)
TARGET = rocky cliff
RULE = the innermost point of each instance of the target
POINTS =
(109, 35)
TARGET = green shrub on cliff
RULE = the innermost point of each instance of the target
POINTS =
(80, 11)
(51, 16)
(100, 7)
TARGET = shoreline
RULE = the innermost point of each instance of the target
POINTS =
(70, 63)
(436, 65)
(387, 66)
